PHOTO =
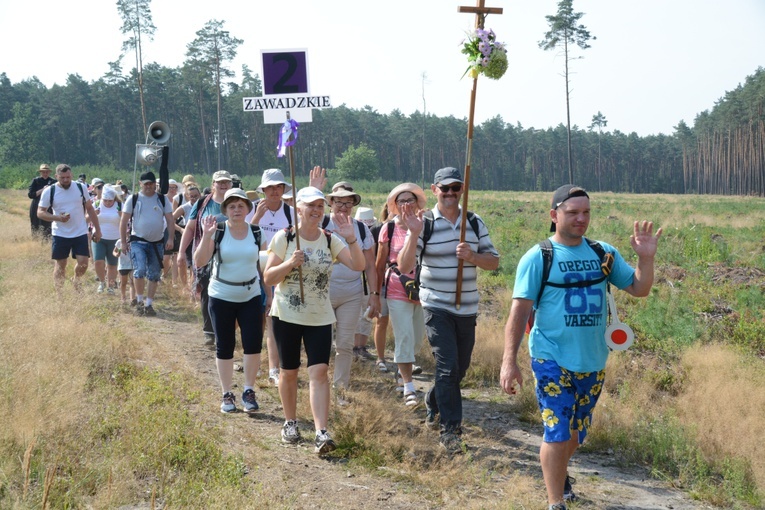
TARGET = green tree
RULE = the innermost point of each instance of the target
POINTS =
(564, 32)
(136, 21)
(358, 164)
(598, 121)
(20, 139)
(210, 51)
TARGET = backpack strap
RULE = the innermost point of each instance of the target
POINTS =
(606, 264)
(287, 213)
(220, 231)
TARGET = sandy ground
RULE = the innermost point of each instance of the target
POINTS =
(294, 477)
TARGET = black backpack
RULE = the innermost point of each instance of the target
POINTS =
(546, 247)
(53, 193)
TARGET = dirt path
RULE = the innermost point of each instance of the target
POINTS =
(293, 477)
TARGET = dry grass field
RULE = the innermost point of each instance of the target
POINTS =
(100, 409)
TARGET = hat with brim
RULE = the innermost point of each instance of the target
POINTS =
(365, 214)
(403, 188)
(447, 175)
(96, 181)
(310, 194)
(564, 193)
(109, 193)
(235, 194)
(44, 168)
(273, 177)
(251, 194)
(344, 193)
(221, 175)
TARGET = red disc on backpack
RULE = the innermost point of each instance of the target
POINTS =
(619, 336)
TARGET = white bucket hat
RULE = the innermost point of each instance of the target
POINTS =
(273, 177)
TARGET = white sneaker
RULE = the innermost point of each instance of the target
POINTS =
(273, 376)
(100, 287)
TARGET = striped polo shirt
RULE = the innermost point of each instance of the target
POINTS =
(438, 277)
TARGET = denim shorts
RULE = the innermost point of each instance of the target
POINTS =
(566, 399)
(145, 261)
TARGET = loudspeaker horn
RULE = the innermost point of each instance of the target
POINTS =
(159, 132)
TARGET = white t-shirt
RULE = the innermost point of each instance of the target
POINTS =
(124, 261)
(272, 222)
(109, 221)
(69, 201)
(316, 308)
(239, 263)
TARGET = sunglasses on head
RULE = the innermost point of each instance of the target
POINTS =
(453, 187)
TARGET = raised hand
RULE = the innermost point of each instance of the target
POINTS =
(209, 225)
(643, 241)
(318, 178)
(411, 216)
(344, 226)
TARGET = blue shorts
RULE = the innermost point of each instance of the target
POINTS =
(566, 399)
(62, 246)
(104, 250)
(145, 262)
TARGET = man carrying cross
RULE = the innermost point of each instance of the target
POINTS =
(450, 329)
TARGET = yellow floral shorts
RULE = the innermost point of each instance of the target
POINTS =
(566, 399)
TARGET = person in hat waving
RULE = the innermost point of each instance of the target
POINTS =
(567, 342)
(450, 330)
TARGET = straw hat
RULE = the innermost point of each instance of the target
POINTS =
(402, 188)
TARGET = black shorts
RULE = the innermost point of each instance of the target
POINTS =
(63, 246)
(317, 340)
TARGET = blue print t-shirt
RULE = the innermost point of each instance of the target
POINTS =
(570, 324)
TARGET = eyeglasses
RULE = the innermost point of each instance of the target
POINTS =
(406, 201)
(343, 205)
(454, 187)
(173, 187)
(100, 186)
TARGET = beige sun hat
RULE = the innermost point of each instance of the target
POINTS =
(403, 188)
(344, 189)
(234, 194)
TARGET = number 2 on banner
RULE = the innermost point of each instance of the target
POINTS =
(285, 72)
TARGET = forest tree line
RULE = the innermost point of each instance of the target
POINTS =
(99, 123)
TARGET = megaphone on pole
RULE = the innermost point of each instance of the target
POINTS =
(159, 133)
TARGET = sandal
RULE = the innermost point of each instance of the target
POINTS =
(410, 399)
(381, 366)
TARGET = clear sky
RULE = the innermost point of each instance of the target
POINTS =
(654, 63)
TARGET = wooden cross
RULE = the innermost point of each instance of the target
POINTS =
(480, 11)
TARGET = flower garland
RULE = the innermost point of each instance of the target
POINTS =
(485, 55)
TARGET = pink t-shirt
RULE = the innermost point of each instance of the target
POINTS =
(394, 288)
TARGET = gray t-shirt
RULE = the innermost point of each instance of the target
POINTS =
(148, 217)
(344, 278)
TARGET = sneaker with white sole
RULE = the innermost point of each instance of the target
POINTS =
(381, 366)
(273, 376)
(291, 432)
(323, 443)
(410, 399)
(228, 404)
(249, 402)
(416, 369)
(568, 492)
(100, 287)
(148, 311)
(558, 506)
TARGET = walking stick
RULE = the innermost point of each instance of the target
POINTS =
(291, 127)
(480, 12)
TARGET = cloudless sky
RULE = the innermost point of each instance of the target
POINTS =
(654, 62)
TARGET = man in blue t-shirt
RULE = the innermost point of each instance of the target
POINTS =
(567, 342)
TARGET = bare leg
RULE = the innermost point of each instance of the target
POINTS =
(59, 272)
(288, 393)
(319, 394)
(111, 275)
(101, 270)
(273, 353)
(381, 333)
(554, 458)
(225, 373)
(251, 365)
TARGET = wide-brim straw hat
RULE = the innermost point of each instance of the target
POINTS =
(403, 188)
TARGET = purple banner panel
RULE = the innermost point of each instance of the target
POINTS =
(285, 72)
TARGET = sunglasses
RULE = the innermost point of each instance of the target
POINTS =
(454, 187)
